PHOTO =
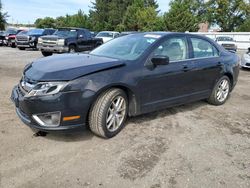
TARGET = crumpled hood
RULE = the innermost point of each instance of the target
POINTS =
(68, 67)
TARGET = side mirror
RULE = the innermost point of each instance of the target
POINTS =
(160, 60)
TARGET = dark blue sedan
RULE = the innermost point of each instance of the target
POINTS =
(128, 76)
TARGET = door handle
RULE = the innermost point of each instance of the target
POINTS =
(185, 67)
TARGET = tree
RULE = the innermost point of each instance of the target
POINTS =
(183, 15)
(245, 27)
(46, 22)
(3, 18)
(228, 15)
(141, 16)
(108, 14)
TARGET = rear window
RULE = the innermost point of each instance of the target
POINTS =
(203, 48)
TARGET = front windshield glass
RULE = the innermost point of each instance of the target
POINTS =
(225, 39)
(105, 34)
(11, 31)
(36, 32)
(66, 33)
(129, 47)
(22, 33)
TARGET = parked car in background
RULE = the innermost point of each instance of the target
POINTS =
(30, 39)
(68, 40)
(93, 33)
(245, 60)
(2, 37)
(127, 76)
(11, 39)
(107, 35)
(127, 33)
(5, 36)
(227, 42)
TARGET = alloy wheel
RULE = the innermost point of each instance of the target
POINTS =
(222, 91)
(116, 114)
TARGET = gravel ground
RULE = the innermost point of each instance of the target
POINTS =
(193, 145)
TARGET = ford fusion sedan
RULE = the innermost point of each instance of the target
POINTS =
(128, 76)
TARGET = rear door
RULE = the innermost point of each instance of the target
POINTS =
(206, 63)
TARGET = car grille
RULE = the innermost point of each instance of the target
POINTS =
(22, 38)
(228, 45)
(49, 43)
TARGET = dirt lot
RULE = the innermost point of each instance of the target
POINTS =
(194, 145)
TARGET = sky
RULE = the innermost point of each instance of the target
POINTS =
(27, 11)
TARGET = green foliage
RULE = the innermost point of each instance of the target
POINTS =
(46, 22)
(77, 20)
(141, 16)
(229, 15)
(245, 27)
(3, 18)
(184, 15)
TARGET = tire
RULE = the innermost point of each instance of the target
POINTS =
(21, 48)
(45, 54)
(72, 48)
(220, 92)
(104, 116)
(13, 45)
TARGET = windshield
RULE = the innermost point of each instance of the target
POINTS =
(224, 39)
(129, 47)
(36, 32)
(22, 33)
(105, 34)
(11, 31)
(66, 33)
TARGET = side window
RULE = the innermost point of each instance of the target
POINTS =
(175, 48)
(203, 48)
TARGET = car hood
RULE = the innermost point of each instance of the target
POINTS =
(226, 42)
(104, 39)
(53, 37)
(68, 67)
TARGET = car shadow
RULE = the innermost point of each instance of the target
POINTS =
(77, 136)
(86, 134)
(167, 112)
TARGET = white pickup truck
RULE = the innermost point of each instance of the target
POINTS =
(227, 42)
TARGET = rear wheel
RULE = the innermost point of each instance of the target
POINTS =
(21, 48)
(108, 114)
(45, 54)
(220, 92)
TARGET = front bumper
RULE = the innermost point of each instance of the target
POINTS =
(68, 103)
(26, 44)
(53, 49)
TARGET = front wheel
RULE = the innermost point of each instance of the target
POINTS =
(220, 92)
(45, 54)
(72, 48)
(21, 48)
(108, 114)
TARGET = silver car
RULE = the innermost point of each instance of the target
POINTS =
(245, 60)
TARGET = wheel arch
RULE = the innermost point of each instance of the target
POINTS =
(132, 101)
(230, 76)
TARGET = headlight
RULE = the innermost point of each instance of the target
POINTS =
(6, 38)
(61, 42)
(40, 40)
(46, 88)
